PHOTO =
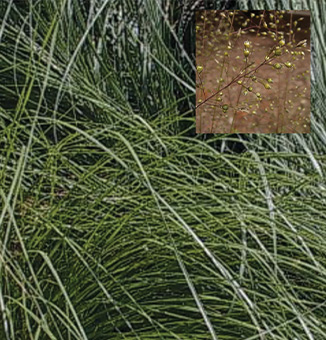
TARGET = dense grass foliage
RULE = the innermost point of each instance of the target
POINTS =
(117, 221)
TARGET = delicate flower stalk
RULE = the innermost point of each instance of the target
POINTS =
(249, 72)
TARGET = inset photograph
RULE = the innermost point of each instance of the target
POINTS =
(253, 71)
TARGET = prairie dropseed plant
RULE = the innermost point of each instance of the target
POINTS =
(270, 50)
(117, 221)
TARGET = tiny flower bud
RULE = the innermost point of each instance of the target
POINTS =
(270, 80)
(282, 42)
(278, 52)
(199, 68)
(288, 64)
(225, 107)
(247, 44)
(246, 53)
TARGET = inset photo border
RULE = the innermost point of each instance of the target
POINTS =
(253, 71)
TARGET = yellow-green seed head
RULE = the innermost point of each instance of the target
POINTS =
(246, 44)
(246, 53)
(278, 52)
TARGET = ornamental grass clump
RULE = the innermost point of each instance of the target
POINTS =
(240, 51)
(117, 220)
